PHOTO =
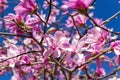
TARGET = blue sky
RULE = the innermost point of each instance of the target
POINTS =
(106, 8)
(103, 9)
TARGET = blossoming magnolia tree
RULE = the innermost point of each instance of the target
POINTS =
(36, 46)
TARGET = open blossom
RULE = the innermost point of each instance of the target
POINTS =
(96, 38)
(116, 47)
(14, 23)
(12, 50)
(81, 5)
(3, 5)
(79, 59)
(92, 42)
(50, 52)
(26, 6)
(76, 44)
(79, 21)
(18, 24)
(56, 43)
(72, 60)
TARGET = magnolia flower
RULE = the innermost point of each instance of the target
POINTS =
(19, 24)
(80, 5)
(57, 43)
(79, 59)
(96, 38)
(116, 47)
(79, 21)
(10, 22)
(3, 5)
(12, 50)
(93, 41)
(76, 45)
(99, 69)
(26, 6)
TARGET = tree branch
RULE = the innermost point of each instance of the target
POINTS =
(117, 33)
(113, 72)
(11, 34)
(46, 23)
(93, 58)
(19, 55)
(112, 17)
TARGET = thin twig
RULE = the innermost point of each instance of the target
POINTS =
(113, 72)
(39, 17)
(93, 58)
(76, 26)
(11, 34)
(46, 23)
(19, 55)
(112, 17)
(59, 64)
(116, 33)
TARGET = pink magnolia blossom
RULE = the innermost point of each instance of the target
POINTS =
(116, 47)
(33, 22)
(69, 50)
(3, 5)
(93, 41)
(12, 50)
(96, 38)
(19, 24)
(73, 61)
(57, 43)
(76, 45)
(79, 59)
(99, 69)
(26, 6)
(79, 20)
(10, 22)
(81, 5)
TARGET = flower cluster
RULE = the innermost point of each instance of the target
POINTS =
(52, 46)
